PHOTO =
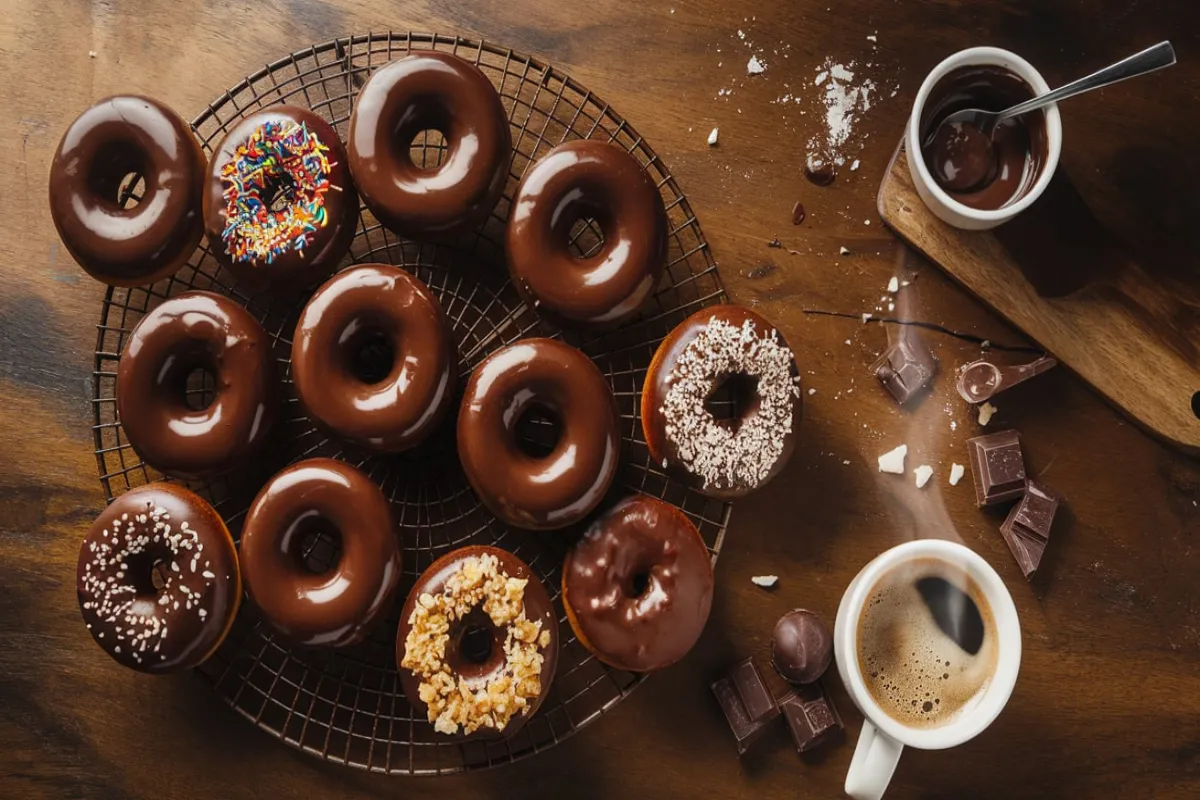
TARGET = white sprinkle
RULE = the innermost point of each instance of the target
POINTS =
(765, 581)
(117, 648)
(811, 392)
(923, 473)
(203, 613)
(755, 67)
(843, 250)
(866, 222)
(985, 413)
(956, 473)
(208, 574)
(893, 460)
(848, 341)
(846, 462)
(854, 166)
(891, 306)
(712, 138)
(894, 285)
(872, 38)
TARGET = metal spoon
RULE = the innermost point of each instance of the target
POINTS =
(1151, 59)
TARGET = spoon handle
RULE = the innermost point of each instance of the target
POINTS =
(1151, 59)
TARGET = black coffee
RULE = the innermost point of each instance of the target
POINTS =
(926, 643)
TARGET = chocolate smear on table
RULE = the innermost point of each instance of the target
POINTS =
(1027, 529)
(982, 380)
(798, 213)
(907, 367)
(811, 716)
(801, 646)
(748, 704)
(998, 467)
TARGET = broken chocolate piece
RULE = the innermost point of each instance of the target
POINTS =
(983, 380)
(747, 702)
(819, 170)
(811, 716)
(998, 466)
(1027, 529)
(906, 367)
(798, 213)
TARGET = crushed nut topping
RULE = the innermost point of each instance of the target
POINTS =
(455, 702)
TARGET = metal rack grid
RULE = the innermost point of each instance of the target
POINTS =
(346, 705)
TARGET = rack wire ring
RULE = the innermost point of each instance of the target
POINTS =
(346, 706)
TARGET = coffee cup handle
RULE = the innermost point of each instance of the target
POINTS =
(875, 759)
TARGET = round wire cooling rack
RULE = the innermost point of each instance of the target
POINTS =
(346, 705)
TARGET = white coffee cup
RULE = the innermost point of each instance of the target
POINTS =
(937, 199)
(883, 738)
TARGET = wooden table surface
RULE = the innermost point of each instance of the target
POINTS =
(1108, 700)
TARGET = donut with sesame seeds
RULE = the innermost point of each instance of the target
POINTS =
(280, 208)
(721, 401)
(158, 579)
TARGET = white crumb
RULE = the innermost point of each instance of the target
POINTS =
(854, 166)
(91, 53)
(923, 473)
(847, 341)
(866, 316)
(755, 67)
(811, 392)
(712, 138)
(985, 344)
(953, 425)
(985, 413)
(893, 460)
(846, 462)
(866, 222)
(871, 38)
(956, 473)
(765, 581)
(894, 285)
(891, 306)
(844, 250)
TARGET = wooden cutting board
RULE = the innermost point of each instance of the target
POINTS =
(1131, 331)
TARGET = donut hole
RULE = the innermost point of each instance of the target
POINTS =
(117, 176)
(638, 583)
(537, 430)
(733, 397)
(199, 387)
(427, 149)
(477, 645)
(586, 237)
(148, 572)
(278, 191)
(369, 355)
(316, 544)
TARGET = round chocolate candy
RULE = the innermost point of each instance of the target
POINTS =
(801, 647)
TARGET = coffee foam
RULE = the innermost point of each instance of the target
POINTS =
(917, 673)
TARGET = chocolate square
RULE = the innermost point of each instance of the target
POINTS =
(906, 367)
(1026, 531)
(747, 702)
(998, 467)
(811, 716)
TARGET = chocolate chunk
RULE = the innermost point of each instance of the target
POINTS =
(906, 367)
(798, 213)
(998, 467)
(801, 646)
(820, 171)
(811, 716)
(1027, 529)
(747, 702)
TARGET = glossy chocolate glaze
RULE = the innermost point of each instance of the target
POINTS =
(117, 136)
(349, 311)
(564, 486)
(197, 329)
(173, 621)
(576, 180)
(416, 93)
(657, 383)
(338, 607)
(538, 606)
(978, 173)
(295, 269)
(638, 586)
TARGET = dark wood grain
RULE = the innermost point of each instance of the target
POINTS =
(1108, 702)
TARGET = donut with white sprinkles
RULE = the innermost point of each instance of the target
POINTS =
(158, 579)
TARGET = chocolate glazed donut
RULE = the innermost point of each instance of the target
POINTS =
(158, 579)
(374, 305)
(734, 347)
(638, 586)
(573, 181)
(564, 486)
(475, 646)
(337, 607)
(420, 92)
(116, 137)
(279, 206)
(196, 330)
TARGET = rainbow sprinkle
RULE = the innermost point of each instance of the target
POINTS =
(288, 161)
